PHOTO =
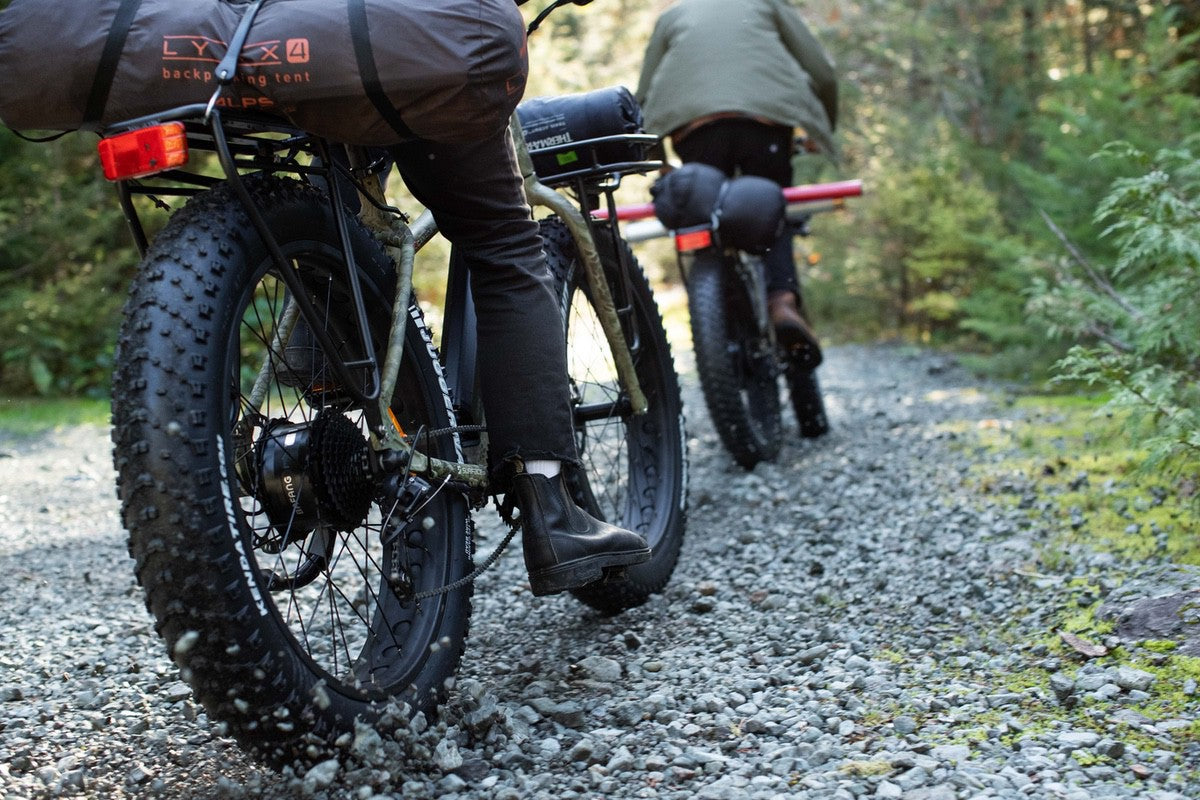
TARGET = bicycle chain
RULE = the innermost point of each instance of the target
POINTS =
(505, 511)
(475, 573)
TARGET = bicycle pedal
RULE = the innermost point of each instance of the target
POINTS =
(614, 574)
(803, 356)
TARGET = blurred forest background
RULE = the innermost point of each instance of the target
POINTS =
(1033, 198)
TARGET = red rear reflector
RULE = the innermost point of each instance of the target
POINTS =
(693, 240)
(144, 152)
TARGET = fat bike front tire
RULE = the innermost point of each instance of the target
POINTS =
(273, 559)
(736, 366)
(634, 466)
(807, 402)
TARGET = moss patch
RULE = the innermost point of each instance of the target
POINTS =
(1074, 467)
(1077, 477)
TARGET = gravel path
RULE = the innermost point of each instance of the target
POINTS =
(855, 620)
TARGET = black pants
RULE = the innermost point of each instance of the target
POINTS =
(476, 196)
(746, 147)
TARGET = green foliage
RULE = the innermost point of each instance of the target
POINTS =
(1143, 100)
(1137, 320)
(939, 100)
(966, 122)
(65, 259)
(940, 237)
(1048, 184)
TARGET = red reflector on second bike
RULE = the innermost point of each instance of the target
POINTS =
(693, 240)
(144, 152)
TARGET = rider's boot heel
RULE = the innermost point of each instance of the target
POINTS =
(565, 547)
(792, 331)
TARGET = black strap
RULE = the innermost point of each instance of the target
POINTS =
(106, 69)
(360, 35)
(38, 139)
(227, 68)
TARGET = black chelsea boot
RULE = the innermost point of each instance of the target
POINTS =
(565, 547)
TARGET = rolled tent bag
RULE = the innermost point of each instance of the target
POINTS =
(552, 123)
(371, 72)
(752, 214)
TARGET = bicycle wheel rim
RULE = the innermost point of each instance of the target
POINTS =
(332, 587)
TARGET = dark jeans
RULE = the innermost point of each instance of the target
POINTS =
(746, 147)
(476, 196)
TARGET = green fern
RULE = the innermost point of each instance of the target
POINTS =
(1143, 313)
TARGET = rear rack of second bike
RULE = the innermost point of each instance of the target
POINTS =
(589, 164)
(592, 172)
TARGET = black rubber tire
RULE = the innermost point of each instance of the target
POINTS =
(634, 466)
(808, 402)
(191, 483)
(737, 371)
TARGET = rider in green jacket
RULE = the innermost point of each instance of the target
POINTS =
(730, 81)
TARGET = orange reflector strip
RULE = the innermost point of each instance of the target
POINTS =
(693, 240)
(396, 423)
(144, 152)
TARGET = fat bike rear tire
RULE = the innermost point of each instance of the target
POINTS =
(634, 466)
(274, 563)
(736, 365)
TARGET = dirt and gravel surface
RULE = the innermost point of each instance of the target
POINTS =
(855, 620)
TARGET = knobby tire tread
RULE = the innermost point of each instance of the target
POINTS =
(748, 437)
(241, 664)
(660, 512)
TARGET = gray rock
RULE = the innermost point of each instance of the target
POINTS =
(322, 775)
(812, 654)
(1077, 740)
(446, 756)
(1130, 678)
(953, 753)
(1062, 685)
(599, 668)
(1091, 682)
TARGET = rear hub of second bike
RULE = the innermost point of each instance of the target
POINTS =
(314, 473)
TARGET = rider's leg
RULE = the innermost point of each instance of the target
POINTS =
(785, 304)
(475, 193)
(766, 151)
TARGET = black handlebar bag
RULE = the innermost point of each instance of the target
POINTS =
(370, 72)
(687, 197)
(745, 213)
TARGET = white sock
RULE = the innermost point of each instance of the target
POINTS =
(543, 466)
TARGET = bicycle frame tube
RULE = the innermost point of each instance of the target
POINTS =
(401, 243)
(289, 274)
(751, 272)
(539, 194)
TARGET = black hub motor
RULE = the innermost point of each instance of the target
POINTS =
(313, 479)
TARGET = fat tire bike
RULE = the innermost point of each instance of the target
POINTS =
(739, 363)
(298, 464)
